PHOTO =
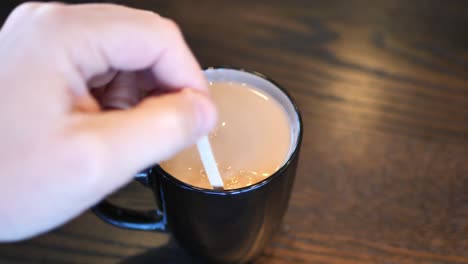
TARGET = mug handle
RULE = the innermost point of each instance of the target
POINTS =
(151, 220)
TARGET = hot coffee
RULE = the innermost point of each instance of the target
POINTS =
(250, 142)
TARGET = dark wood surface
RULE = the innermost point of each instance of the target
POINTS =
(383, 88)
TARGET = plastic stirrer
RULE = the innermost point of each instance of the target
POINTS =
(209, 162)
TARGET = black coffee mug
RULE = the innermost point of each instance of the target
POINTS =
(228, 226)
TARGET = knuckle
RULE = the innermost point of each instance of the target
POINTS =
(150, 14)
(22, 11)
(39, 20)
(50, 13)
(171, 28)
(26, 8)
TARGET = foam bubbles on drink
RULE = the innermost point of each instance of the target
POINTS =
(236, 178)
(203, 173)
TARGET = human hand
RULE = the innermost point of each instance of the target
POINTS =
(60, 154)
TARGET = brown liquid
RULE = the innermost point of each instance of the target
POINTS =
(250, 142)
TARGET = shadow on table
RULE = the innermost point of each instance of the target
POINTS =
(170, 253)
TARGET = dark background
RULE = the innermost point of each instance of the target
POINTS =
(383, 88)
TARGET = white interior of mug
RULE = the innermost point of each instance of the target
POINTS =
(268, 88)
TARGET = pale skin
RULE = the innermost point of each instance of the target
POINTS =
(62, 66)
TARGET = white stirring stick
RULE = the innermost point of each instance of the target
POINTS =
(209, 162)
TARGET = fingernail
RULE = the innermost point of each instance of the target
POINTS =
(205, 109)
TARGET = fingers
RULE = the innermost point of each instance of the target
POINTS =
(98, 85)
(123, 90)
(102, 80)
(127, 89)
(96, 38)
(151, 132)
(122, 93)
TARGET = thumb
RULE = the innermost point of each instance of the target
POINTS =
(149, 133)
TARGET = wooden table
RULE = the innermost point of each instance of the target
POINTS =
(383, 88)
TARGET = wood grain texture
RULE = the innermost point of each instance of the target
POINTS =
(383, 88)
